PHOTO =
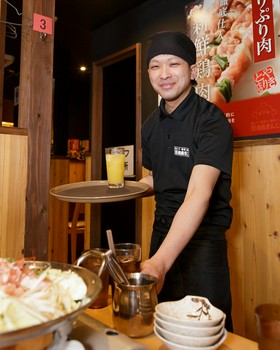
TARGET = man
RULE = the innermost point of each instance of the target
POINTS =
(187, 147)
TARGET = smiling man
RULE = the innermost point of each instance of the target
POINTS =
(187, 147)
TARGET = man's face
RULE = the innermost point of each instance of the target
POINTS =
(171, 77)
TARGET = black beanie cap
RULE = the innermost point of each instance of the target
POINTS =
(171, 43)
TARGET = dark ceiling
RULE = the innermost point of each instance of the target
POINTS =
(75, 21)
(93, 13)
(77, 18)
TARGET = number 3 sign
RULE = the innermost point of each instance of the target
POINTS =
(42, 24)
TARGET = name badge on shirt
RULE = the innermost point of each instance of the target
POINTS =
(181, 151)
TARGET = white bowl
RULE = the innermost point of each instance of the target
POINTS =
(189, 340)
(187, 330)
(194, 311)
(173, 346)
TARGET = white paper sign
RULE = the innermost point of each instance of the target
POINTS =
(128, 160)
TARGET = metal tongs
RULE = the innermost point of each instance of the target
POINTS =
(114, 268)
(108, 260)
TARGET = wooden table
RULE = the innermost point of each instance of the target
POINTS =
(233, 341)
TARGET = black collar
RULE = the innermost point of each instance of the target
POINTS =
(181, 111)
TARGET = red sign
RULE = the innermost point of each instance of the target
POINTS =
(254, 117)
(263, 30)
(42, 24)
(265, 79)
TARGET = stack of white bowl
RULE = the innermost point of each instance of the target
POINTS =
(191, 323)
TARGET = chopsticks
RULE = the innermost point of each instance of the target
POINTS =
(110, 241)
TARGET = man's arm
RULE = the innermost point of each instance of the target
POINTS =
(185, 223)
(149, 180)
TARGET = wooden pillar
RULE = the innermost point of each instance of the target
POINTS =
(3, 14)
(35, 114)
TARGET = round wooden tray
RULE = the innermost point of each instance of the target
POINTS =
(98, 192)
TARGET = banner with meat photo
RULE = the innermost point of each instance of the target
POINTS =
(238, 61)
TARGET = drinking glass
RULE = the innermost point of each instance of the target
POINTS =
(268, 326)
(128, 256)
(115, 166)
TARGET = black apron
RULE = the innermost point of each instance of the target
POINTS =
(201, 268)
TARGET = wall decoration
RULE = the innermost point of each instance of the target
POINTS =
(238, 61)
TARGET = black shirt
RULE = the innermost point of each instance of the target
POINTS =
(197, 132)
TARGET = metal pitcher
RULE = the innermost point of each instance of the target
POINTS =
(134, 305)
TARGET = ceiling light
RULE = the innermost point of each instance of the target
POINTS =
(83, 68)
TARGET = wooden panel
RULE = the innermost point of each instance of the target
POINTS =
(148, 210)
(13, 179)
(76, 174)
(62, 171)
(87, 206)
(13, 131)
(76, 171)
(3, 15)
(254, 238)
(58, 213)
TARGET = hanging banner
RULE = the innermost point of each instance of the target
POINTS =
(238, 61)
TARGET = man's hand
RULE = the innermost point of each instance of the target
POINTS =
(152, 268)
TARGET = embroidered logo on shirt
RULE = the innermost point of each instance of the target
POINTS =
(181, 151)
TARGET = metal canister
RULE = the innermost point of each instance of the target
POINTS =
(134, 305)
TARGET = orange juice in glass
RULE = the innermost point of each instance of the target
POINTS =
(115, 166)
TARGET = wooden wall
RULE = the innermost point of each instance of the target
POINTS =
(254, 237)
(64, 171)
(13, 178)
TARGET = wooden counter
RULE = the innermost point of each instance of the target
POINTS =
(233, 342)
(104, 315)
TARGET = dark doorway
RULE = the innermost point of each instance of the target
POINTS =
(119, 122)
(116, 121)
